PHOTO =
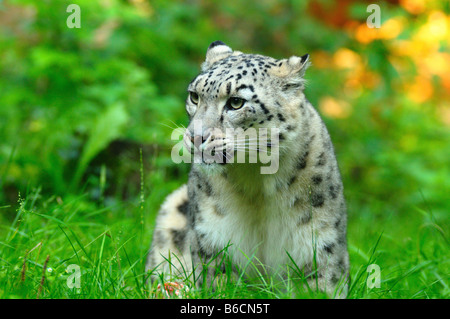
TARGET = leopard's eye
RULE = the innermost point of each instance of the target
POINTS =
(194, 97)
(236, 102)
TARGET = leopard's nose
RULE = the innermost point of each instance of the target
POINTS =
(198, 140)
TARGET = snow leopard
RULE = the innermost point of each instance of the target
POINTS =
(294, 217)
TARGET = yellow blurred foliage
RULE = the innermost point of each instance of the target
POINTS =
(426, 48)
(409, 48)
(334, 108)
(391, 28)
(357, 76)
(353, 88)
(388, 30)
(364, 34)
(400, 64)
(436, 28)
(437, 63)
(444, 113)
(321, 59)
(346, 59)
(420, 89)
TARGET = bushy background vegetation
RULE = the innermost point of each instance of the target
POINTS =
(86, 116)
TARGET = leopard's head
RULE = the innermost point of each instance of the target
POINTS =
(242, 103)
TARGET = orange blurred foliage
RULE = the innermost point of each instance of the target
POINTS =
(334, 108)
(420, 89)
(414, 6)
(346, 59)
(391, 29)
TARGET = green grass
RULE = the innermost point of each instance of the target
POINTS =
(110, 244)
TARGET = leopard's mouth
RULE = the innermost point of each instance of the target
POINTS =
(218, 157)
(225, 150)
(211, 151)
(212, 156)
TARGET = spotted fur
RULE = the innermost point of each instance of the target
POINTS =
(299, 210)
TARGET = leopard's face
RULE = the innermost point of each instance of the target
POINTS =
(240, 102)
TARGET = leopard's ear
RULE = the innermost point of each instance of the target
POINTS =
(291, 71)
(216, 52)
(294, 67)
(299, 64)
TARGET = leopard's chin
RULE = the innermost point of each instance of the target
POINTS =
(211, 168)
